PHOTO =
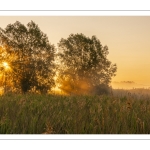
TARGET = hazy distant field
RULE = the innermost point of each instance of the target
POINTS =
(124, 112)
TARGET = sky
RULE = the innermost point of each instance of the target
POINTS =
(127, 37)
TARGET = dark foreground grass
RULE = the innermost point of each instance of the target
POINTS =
(55, 114)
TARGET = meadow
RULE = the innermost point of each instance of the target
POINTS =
(122, 112)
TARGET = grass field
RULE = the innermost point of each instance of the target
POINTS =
(127, 113)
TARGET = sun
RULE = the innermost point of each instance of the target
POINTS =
(6, 66)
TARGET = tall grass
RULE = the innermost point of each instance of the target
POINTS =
(56, 114)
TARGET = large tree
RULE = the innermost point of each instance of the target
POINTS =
(32, 65)
(84, 65)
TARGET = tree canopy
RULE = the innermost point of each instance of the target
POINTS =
(32, 63)
(84, 65)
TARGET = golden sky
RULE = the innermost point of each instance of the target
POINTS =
(128, 39)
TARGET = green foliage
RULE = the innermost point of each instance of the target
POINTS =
(32, 66)
(84, 62)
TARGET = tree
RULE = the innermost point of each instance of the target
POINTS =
(34, 56)
(84, 64)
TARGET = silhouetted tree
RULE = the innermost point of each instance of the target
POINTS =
(84, 65)
(33, 65)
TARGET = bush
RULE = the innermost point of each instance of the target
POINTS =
(101, 89)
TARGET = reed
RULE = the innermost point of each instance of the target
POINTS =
(58, 114)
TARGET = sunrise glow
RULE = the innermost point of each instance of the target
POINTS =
(6, 66)
(127, 38)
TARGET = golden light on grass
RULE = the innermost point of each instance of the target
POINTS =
(1, 91)
(57, 90)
